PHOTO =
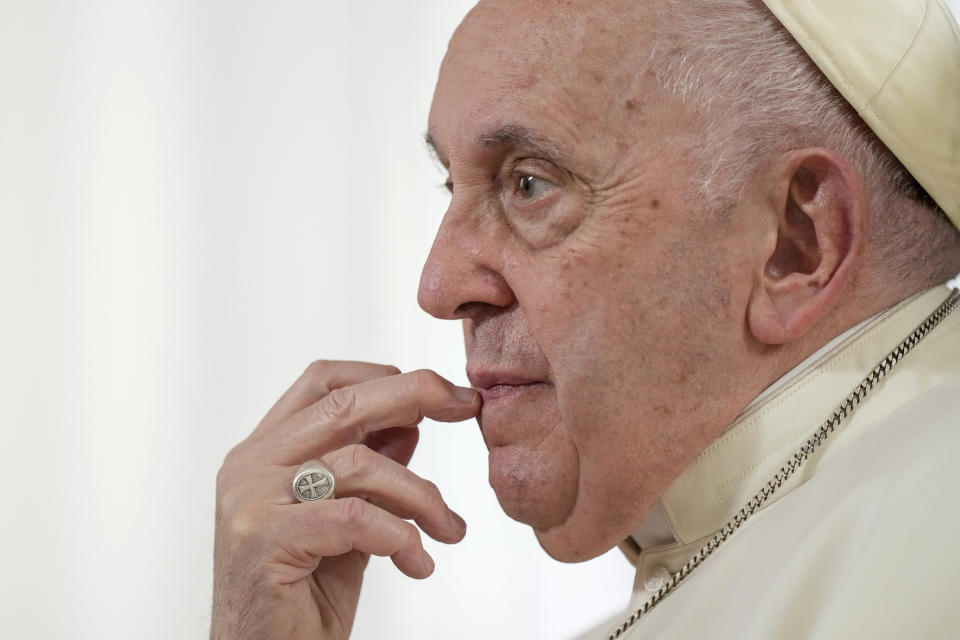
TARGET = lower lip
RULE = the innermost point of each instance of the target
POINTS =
(506, 392)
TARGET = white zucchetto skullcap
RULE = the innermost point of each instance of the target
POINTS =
(897, 62)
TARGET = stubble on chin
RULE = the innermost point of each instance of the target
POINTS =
(536, 485)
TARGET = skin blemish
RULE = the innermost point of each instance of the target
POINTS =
(664, 409)
(630, 105)
(654, 204)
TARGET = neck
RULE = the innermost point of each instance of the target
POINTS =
(773, 362)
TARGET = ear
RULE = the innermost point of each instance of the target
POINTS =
(816, 206)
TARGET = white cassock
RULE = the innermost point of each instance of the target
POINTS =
(862, 542)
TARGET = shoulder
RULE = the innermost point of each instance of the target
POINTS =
(877, 556)
(864, 548)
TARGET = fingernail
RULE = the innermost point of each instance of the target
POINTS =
(465, 394)
(427, 562)
(458, 523)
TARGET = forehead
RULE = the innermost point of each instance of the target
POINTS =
(572, 66)
(571, 30)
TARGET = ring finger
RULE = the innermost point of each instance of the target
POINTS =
(360, 472)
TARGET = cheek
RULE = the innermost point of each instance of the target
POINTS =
(586, 316)
(618, 346)
(590, 325)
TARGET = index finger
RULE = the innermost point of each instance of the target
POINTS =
(317, 381)
(347, 415)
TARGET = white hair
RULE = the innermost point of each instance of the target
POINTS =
(733, 62)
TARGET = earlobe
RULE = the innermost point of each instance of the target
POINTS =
(816, 206)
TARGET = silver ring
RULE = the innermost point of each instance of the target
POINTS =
(313, 481)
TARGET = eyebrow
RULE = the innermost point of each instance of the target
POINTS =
(432, 147)
(508, 136)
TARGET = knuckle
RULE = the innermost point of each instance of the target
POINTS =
(340, 403)
(432, 495)
(318, 372)
(354, 512)
(360, 459)
(424, 377)
(225, 474)
(412, 537)
(423, 381)
(224, 487)
(233, 481)
(243, 527)
(233, 492)
(317, 368)
(223, 479)
(227, 504)
(391, 370)
(235, 452)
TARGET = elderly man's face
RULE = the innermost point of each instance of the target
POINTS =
(594, 295)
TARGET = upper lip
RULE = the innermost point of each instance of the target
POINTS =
(489, 378)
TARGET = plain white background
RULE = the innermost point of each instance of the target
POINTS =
(197, 199)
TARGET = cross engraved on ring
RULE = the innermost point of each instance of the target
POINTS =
(313, 485)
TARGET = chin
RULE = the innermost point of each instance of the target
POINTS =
(571, 543)
(593, 527)
(531, 489)
(538, 481)
(543, 494)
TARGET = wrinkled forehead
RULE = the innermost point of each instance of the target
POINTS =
(576, 58)
(571, 36)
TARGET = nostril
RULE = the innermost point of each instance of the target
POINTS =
(458, 281)
(471, 309)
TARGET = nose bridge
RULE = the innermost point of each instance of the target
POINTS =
(458, 270)
(447, 265)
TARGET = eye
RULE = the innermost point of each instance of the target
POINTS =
(530, 187)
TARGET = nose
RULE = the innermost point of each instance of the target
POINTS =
(461, 276)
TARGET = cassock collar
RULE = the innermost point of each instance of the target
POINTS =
(732, 469)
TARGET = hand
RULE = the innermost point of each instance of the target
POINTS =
(284, 569)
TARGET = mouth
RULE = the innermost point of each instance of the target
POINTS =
(498, 387)
(505, 392)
